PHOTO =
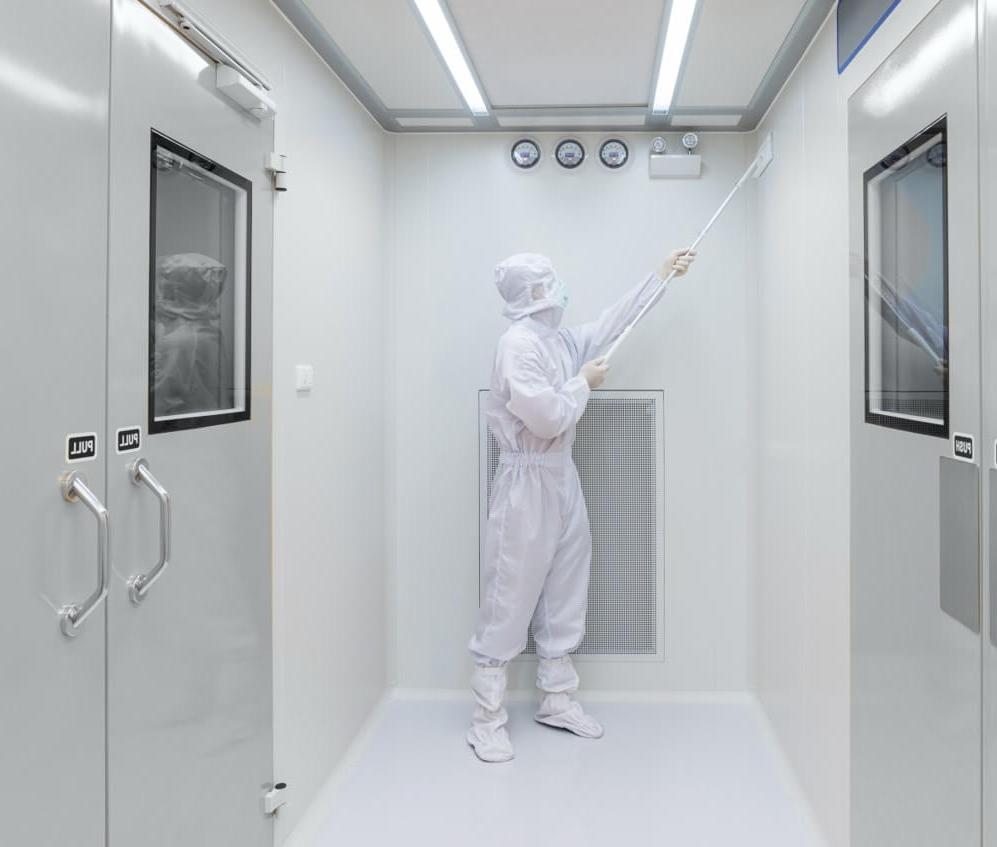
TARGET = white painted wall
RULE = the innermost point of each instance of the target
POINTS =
(330, 497)
(459, 208)
(800, 582)
(329, 470)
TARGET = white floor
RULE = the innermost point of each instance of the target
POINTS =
(682, 774)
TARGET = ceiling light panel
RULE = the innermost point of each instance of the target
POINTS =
(732, 48)
(561, 52)
(387, 44)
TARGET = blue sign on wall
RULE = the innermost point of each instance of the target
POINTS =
(858, 21)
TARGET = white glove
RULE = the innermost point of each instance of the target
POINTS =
(594, 372)
(679, 261)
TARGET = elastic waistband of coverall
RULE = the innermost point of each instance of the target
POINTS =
(553, 459)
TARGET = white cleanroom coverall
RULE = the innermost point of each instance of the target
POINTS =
(189, 366)
(538, 546)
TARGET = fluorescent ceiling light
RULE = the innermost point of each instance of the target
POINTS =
(676, 40)
(446, 42)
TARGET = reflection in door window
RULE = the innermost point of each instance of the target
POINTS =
(906, 286)
(199, 290)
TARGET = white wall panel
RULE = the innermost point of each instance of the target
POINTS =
(801, 509)
(386, 43)
(799, 234)
(459, 208)
(329, 483)
(561, 52)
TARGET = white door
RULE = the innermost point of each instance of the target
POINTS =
(189, 309)
(988, 442)
(53, 233)
(915, 595)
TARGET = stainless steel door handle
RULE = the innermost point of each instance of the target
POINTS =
(75, 490)
(139, 585)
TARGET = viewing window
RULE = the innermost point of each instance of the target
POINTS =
(906, 286)
(199, 289)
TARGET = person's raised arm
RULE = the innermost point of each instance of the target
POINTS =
(594, 338)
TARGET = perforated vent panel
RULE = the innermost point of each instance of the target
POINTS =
(619, 455)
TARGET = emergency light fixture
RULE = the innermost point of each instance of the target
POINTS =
(446, 42)
(676, 41)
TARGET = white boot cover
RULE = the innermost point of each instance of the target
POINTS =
(488, 735)
(561, 711)
(558, 679)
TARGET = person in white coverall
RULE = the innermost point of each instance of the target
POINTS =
(538, 547)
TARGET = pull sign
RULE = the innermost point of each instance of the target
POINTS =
(81, 447)
(128, 439)
(962, 446)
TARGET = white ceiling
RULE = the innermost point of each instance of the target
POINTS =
(734, 45)
(561, 52)
(560, 63)
(386, 43)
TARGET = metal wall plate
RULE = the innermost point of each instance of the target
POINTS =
(959, 541)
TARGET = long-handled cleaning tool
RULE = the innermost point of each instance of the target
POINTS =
(757, 167)
(910, 320)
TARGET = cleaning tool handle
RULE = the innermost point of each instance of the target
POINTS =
(664, 285)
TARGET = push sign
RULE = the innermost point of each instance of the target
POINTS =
(81, 447)
(962, 447)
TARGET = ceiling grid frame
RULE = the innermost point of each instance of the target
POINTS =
(563, 118)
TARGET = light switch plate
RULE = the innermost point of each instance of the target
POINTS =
(304, 377)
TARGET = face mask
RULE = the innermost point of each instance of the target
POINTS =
(559, 294)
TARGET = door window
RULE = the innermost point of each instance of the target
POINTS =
(906, 286)
(199, 290)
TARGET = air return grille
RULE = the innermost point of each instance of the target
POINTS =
(620, 458)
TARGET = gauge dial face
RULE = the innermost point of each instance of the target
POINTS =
(938, 155)
(570, 154)
(525, 154)
(614, 153)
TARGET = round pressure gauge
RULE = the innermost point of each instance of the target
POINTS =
(569, 153)
(525, 153)
(614, 153)
(658, 144)
(690, 141)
